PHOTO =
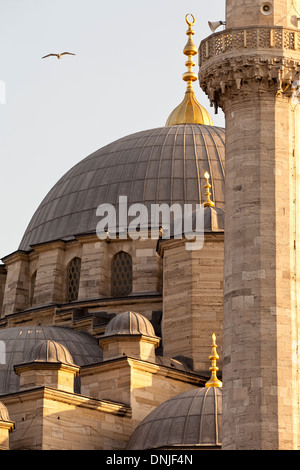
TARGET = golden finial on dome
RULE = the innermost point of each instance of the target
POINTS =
(189, 111)
(190, 50)
(214, 381)
(208, 202)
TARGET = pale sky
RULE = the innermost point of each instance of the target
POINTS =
(126, 77)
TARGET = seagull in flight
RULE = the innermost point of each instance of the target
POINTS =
(58, 55)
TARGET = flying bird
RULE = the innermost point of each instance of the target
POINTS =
(58, 55)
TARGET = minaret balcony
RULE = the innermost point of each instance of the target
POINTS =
(251, 59)
(273, 38)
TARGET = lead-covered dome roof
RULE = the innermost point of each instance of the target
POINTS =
(192, 419)
(48, 351)
(162, 165)
(16, 343)
(129, 323)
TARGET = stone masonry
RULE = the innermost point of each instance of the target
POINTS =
(250, 72)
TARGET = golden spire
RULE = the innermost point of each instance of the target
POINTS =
(190, 50)
(214, 381)
(189, 111)
(208, 202)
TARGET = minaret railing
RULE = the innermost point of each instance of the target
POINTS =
(251, 37)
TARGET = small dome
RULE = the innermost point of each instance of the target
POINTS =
(190, 420)
(4, 416)
(49, 351)
(129, 323)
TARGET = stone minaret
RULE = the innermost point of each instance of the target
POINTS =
(251, 69)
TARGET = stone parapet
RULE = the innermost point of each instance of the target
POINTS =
(233, 60)
(258, 38)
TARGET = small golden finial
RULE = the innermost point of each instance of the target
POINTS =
(214, 381)
(208, 202)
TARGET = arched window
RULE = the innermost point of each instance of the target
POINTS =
(121, 278)
(73, 278)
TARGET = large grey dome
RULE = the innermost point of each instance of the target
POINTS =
(192, 419)
(163, 165)
(18, 341)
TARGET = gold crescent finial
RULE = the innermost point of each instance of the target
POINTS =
(190, 50)
(189, 111)
(189, 22)
(214, 381)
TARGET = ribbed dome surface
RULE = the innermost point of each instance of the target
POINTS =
(163, 165)
(49, 351)
(18, 340)
(191, 419)
(129, 323)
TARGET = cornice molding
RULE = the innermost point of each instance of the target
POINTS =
(70, 398)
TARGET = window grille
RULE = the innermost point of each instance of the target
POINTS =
(121, 281)
(73, 278)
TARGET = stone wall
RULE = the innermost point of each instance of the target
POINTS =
(40, 277)
(16, 292)
(142, 385)
(193, 299)
(48, 419)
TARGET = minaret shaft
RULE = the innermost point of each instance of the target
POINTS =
(249, 71)
(260, 307)
(260, 12)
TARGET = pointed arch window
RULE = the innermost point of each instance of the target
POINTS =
(121, 279)
(73, 278)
